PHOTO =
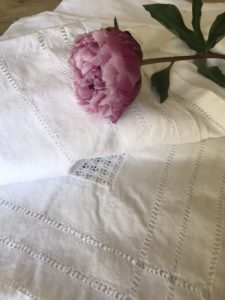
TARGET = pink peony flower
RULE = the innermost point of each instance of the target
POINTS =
(106, 68)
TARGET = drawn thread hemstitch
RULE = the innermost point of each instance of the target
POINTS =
(90, 240)
(16, 286)
(186, 215)
(45, 48)
(35, 111)
(91, 282)
(219, 230)
(153, 219)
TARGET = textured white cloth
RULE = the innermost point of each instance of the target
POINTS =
(150, 226)
(139, 213)
(44, 133)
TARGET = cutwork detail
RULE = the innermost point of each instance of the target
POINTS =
(101, 170)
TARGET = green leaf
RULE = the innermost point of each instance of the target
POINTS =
(213, 73)
(196, 14)
(196, 19)
(217, 31)
(169, 16)
(161, 82)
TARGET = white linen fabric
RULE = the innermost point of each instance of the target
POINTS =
(157, 232)
(46, 133)
(134, 211)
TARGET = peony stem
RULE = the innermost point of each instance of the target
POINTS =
(180, 58)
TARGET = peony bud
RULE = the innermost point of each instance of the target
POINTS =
(106, 68)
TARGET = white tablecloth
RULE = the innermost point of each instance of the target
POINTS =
(94, 211)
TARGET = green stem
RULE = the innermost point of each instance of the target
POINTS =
(180, 58)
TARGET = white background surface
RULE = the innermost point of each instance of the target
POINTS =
(146, 224)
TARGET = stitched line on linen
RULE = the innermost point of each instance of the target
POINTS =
(16, 286)
(90, 240)
(83, 237)
(68, 41)
(139, 115)
(200, 110)
(142, 120)
(52, 56)
(101, 170)
(171, 277)
(65, 36)
(219, 232)
(186, 216)
(35, 111)
(91, 282)
(153, 220)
